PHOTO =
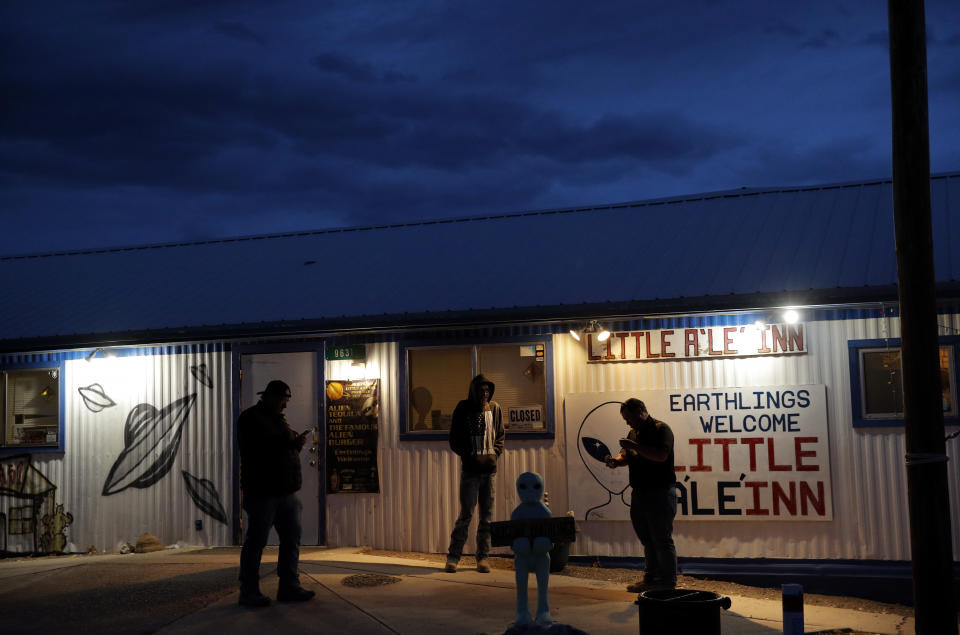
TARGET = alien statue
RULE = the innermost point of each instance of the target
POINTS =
(531, 554)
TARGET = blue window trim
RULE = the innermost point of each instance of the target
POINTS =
(470, 342)
(854, 347)
(57, 363)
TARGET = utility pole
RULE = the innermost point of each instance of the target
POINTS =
(926, 461)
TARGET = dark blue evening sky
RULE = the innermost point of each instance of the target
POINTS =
(129, 123)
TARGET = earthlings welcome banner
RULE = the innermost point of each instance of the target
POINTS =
(746, 454)
(353, 430)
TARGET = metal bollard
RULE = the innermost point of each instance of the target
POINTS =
(792, 609)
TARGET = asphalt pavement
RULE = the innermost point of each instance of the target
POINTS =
(195, 591)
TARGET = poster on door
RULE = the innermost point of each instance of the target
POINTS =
(744, 454)
(353, 429)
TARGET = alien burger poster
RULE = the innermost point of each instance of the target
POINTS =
(353, 431)
(744, 454)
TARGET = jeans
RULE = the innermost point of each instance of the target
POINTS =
(263, 512)
(474, 488)
(652, 512)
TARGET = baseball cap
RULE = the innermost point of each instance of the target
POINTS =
(276, 387)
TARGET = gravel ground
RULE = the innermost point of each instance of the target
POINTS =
(626, 576)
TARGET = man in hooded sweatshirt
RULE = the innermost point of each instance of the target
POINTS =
(476, 435)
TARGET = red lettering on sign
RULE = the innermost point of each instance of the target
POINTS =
(710, 350)
(780, 496)
(819, 503)
(773, 462)
(756, 510)
(753, 442)
(623, 344)
(637, 336)
(590, 356)
(796, 337)
(763, 341)
(779, 338)
(725, 443)
(797, 445)
(728, 341)
(691, 339)
(650, 354)
(700, 467)
(664, 344)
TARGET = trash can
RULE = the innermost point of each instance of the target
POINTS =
(675, 611)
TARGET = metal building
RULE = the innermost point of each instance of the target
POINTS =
(124, 371)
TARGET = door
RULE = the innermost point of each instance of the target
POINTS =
(299, 371)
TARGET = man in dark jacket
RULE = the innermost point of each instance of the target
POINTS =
(648, 453)
(270, 478)
(476, 435)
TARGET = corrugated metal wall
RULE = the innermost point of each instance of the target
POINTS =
(867, 464)
(94, 437)
(418, 500)
(419, 481)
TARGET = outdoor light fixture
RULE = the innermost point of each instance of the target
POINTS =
(93, 354)
(592, 327)
(790, 316)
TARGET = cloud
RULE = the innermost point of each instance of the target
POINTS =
(877, 38)
(781, 28)
(840, 159)
(344, 67)
(823, 39)
(239, 31)
(351, 70)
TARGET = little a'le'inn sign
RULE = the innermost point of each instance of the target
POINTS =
(698, 343)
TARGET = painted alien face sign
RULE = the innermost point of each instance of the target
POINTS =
(598, 438)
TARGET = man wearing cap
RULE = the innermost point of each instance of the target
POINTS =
(648, 453)
(269, 479)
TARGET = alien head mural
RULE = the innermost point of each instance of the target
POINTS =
(598, 430)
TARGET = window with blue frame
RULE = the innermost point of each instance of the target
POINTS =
(876, 382)
(31, 408)
(437, 378)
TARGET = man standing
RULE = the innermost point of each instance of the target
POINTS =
(476, 435)
(269, 479)
(648, 453)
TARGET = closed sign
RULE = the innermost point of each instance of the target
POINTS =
(525, 418)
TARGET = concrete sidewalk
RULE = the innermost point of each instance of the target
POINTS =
(194, 591)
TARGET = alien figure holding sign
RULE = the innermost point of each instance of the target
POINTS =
(531, 554)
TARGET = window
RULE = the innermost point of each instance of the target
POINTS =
(438, 378)
(31, 408)
(21, 520)
(877, 383)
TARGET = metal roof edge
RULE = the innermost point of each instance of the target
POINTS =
(734, 193)
(442, 320)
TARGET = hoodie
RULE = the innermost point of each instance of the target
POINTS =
(476, 438)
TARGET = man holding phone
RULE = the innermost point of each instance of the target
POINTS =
(269, 479)
(648, 453)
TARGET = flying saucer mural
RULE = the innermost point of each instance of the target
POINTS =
(205, 496)
(94, 398)
(199, 372)
(151, 440)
